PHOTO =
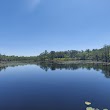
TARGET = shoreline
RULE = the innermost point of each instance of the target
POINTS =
(13, 63)
(82, 62)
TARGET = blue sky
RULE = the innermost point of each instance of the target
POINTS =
(28, 27)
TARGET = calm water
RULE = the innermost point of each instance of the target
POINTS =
(54, 87)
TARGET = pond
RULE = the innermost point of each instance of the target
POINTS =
(54, 87)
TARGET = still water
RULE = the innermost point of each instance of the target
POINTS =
(54, 87)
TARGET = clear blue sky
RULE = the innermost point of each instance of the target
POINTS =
(28, 27)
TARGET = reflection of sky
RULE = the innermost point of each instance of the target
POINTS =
(29, 87)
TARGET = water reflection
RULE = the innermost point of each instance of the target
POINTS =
(5, 66)
(31, 89)
(53, 66)
(104, 68)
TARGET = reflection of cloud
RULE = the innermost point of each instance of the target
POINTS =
(32, 4)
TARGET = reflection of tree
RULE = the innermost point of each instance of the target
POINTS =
(106, 71)
(3, 68)
(53, 66)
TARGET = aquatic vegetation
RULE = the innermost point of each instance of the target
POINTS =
(88, 103)
(90, 108)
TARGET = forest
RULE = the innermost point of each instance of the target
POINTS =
(5, 58)
(102, 54)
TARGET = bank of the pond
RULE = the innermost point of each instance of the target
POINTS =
(82, 62)
(14, 63)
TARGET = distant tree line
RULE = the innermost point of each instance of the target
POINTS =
(102, 54)
(16, 58)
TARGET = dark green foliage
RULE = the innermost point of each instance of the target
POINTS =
(102, 54)
(16, 58)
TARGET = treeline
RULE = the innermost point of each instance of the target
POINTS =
(102, 54)
(16, 58)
